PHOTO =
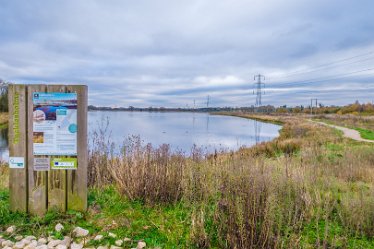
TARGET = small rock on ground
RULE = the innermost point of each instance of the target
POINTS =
(30, 237)
(112, 235)
(42, 247)
(42, 241)
(61, 247)
(33, 244)
(99, 237)
(76, 246)
(26, 241)
(19, 245)
(141, 245)
(66, 241)
(18, 237)
(80, 232)
(118, 242)
(10, 230)
(59, 227)
(7, 243)
(54, 243)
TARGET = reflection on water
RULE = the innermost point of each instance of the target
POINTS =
(183, 130)
(257, 127)
(4, 144)
(180, 130)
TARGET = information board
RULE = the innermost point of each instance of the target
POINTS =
(55, 124)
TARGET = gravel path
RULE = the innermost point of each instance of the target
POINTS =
(349, 133)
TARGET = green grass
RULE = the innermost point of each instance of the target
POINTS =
(162, 226)
(367, 134)
(165, 226)
(314, 232)
(3, 126)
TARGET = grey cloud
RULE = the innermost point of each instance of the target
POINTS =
(150, 53)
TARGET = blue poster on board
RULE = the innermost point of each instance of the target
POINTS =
(55, 123)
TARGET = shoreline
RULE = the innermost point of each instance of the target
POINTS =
(262, 117)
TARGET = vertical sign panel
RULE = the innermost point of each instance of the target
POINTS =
(56, 178)
(77, 179)
(17, 147)
(37, 171)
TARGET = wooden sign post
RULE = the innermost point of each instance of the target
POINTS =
(48, 148)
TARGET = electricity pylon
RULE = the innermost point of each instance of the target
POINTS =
(259, 85)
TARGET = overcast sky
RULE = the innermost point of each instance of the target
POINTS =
(168, 53)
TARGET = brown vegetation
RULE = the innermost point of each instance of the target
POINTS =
(4, 174)
(309, 180)
(353, 121)
(3, 118)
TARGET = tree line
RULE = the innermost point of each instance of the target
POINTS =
(355, 108)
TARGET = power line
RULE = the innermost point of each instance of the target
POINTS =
(327, 64)
(346, 64)
(322, 79)
(323, 91)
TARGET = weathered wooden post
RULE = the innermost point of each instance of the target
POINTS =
(17, 147)
(48, 147)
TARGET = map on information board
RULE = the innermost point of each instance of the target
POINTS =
(55, 123)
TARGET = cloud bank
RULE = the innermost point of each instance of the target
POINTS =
(172, 53)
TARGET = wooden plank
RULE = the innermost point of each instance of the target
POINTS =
(56, 178)
(37, 180)
(17, 146)
(77, 179)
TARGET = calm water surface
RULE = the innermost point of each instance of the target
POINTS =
(180, 130)
(4, 144)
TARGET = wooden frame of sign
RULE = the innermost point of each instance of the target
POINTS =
(35, 187)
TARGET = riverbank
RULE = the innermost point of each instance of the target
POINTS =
(308, 188)
(278, 120)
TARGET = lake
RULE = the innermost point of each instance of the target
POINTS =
(181, 130)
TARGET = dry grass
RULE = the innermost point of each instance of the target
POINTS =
(4, 175)
(3, 166)
(354, 121)
(3, 118)
(267, 196)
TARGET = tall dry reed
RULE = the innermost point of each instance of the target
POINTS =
(261, 197)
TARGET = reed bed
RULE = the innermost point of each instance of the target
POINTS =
(309, 187)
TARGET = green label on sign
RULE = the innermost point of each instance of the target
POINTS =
(16, 132)
(64, 163)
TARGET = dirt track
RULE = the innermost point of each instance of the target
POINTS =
(349, 133)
